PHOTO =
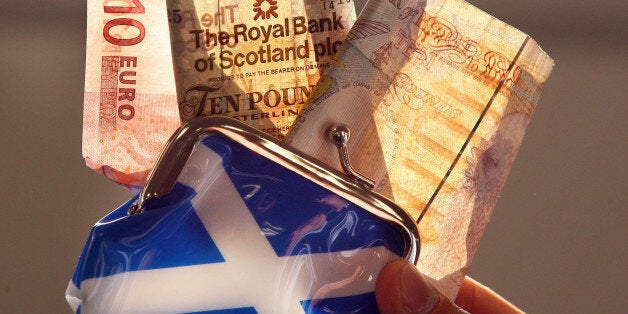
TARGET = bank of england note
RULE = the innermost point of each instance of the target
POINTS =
(437, 95)
(253, 60)
(130, 107)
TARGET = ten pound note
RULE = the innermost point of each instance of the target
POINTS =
(254, 60)
(437, 95)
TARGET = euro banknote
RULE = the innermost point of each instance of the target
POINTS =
(130, 107)
(437, 95)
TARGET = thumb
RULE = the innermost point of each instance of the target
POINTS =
(400, 288)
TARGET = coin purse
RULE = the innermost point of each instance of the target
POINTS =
(233, 221)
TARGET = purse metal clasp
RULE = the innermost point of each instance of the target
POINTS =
(352, 186)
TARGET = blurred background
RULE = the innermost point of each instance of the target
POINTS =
(557, 241)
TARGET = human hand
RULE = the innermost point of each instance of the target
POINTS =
(401, 289)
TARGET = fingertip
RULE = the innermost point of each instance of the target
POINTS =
(388, 287)
(477, 298)
(466, 294)
(400, 288)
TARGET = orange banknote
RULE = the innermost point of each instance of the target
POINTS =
(437, 95)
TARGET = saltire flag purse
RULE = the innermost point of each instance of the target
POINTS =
(234, 221)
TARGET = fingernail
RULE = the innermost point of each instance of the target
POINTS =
(418, 296)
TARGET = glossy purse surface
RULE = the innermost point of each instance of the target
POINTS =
(239, 233)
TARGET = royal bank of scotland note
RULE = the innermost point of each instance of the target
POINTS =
(253, 60)
(437, 95)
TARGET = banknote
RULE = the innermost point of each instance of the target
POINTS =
(437, 95)
(253, 60)
(130, 107)
(267, 56)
